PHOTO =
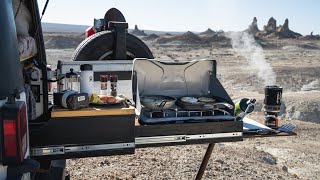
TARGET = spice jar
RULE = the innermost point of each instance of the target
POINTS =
(113, 84)
(103, 84)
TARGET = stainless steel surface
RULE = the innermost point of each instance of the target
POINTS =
(219, 105)
(184, 138)
(98, 147)
(173, 78)
(160, 139)
(56, 150)
(110, 65)
(213, 136)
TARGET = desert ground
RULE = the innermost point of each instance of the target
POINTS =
(296, 63)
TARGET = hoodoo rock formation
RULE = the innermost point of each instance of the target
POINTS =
(253, 27)
(271, 27)
(138, 32)
(284, 31)
(271, 30)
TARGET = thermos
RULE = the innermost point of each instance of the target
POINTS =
(86, 79)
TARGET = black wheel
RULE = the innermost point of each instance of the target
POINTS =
(99, 47)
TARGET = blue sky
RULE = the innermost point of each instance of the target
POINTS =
(194, 15)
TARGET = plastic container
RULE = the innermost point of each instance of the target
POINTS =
(86, 79)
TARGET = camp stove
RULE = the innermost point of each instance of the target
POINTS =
(272, 104)
(178, 79)
(180, 115)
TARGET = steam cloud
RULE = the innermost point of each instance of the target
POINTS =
(244, 44)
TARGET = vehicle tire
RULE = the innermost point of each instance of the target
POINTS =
(99, 47)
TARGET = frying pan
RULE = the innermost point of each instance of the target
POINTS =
(199, 106)
(157, 102)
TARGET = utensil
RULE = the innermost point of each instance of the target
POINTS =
(288, 128)
(219, 105)
(203, 105)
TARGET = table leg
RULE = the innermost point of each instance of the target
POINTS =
(205, 161)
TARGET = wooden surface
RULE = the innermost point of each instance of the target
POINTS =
(94, 110)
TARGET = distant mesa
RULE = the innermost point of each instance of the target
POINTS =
(310, 37)
(271, 30)
(136, 31)
(217, 37)
(208, 32)
(151, 37)
(188, 37)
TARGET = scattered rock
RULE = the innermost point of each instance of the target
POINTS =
(269, 159)
(220, 161)
(314, 85)
(285, 168)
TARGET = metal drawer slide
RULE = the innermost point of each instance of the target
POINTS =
(58, 150)
(183, 138)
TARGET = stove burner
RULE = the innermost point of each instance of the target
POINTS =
(179, 113)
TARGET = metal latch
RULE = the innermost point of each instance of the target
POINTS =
(47, 151)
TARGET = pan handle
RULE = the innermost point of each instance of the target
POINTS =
(218, 106)
(162, 104)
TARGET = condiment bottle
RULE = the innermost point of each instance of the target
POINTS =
(103, 85)
(113, 83)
